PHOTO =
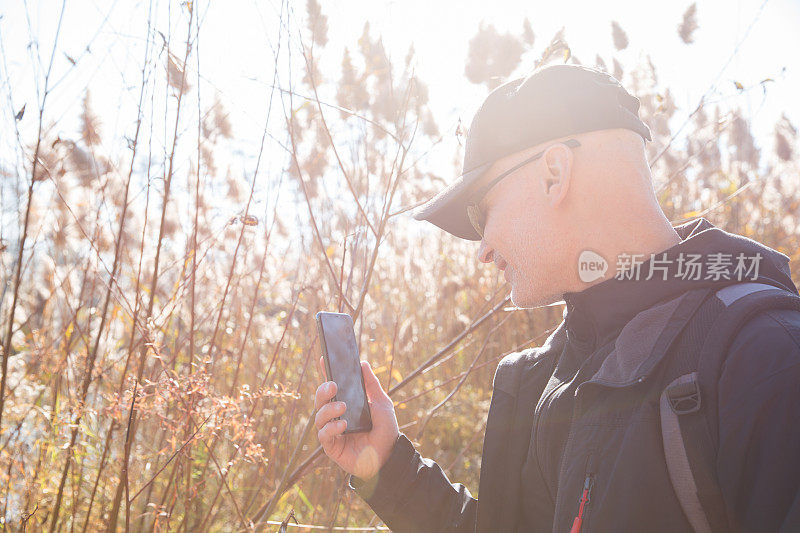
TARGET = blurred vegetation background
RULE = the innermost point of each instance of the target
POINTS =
(159, 367)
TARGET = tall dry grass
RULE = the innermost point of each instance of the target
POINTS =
(158, 365)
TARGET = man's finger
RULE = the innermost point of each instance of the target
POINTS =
(325, 392)
(328, 412)
(329, 432)
(321, 367)
(371, 383)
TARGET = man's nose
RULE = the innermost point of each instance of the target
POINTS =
(485, 253)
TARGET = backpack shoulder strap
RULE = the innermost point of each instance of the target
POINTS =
(688, 404)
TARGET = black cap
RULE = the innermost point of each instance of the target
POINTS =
(551, 103)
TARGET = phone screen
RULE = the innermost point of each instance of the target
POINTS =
(340, 351)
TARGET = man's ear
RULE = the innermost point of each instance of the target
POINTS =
(557, 161)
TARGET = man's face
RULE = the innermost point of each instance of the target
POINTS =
(521, 233)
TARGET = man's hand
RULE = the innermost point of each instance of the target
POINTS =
(360, 454)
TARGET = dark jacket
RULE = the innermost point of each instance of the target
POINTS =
(586, 416)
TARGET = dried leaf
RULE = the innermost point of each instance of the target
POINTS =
(90, 127)
(618, 71)
(317, 23)
(249, 220)
(782, 147)
(492, 56)
(527, 32)
(176, 76)
(688, 26)
(598, 61)
(619, 36)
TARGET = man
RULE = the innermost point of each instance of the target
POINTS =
(557, 188)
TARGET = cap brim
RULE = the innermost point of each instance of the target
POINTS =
(448, 209)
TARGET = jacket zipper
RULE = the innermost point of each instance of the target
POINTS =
(576, 410)
(589, 478)
(586, 495)
(588, 482)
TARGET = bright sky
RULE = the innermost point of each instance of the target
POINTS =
(738, 40)
(440, 32)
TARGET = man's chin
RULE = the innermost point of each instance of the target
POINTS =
(521, 300)
(531, 298)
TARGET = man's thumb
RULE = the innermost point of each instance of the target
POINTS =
(371, 383)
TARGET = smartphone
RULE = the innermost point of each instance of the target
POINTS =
(340, 353)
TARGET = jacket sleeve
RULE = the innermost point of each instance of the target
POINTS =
(758, 461)
(412, 494)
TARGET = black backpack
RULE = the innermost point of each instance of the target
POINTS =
(688, 404)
